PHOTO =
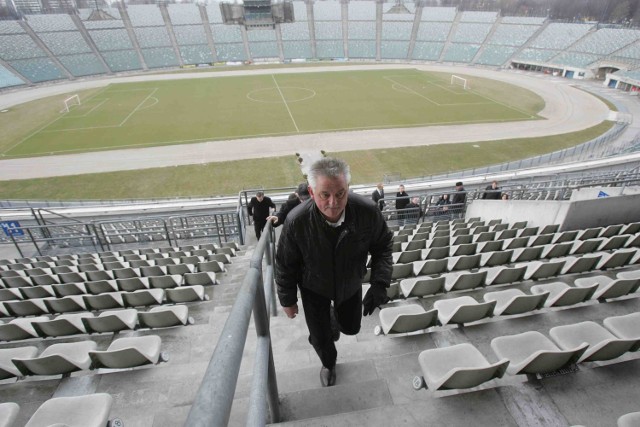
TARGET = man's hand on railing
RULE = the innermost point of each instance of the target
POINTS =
(291, 311)
(273, 219)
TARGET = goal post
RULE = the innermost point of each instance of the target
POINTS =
(70, 102)
(459, 81)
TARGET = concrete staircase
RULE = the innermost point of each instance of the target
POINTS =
(374, 377)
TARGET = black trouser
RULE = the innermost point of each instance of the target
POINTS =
(259, 225)
(316, 313)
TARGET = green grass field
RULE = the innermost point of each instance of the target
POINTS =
(184, 111)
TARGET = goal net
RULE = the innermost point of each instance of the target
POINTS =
(70, 102)
(459, 81)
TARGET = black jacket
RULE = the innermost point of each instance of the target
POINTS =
(260, 210)
(492, 194)
(459, 197)
(306, 256)
(402, 200)
(286, 207)
(377, 198)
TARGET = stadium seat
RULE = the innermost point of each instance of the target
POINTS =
(186, 294)
(143, 297)
(20, 329)
(464, 280)
(456, 367)
(504, 275)
(497, 258)
(212, 266)
(45, 279)
(527, 254)
(68, 289)
(8, 413)
(429, 267)
(616, 259)
(462, 310)
(101, 286)
(542, 269)
(405, 319)
(632, 419)
(203, 278)
(492, 246)
(626, 326)
(68, 304)
(603, 345)
(606, 287)
(533, 353)
(35, 292)
(514, 301)
(112, 321)
(104, 301)
(65, 324)
(58, 359)
(586, 246)
(165, 316)
(464, 262)
(131, 284)
(7, 368)
(407, 256)
(166, 281)
(29, 307)
(584, 263)
(422, 286)
(128, 352)
(80, 411)
(561, 294)
(435, 253)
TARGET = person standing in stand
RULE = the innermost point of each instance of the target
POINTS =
(260, 208)
(378, 195)
(323, 251)
(402, 200)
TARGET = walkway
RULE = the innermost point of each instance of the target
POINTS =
(567, 109)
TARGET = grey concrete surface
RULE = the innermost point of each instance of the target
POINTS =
(567, 109)
(374, 372)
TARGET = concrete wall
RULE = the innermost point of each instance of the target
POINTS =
(538, 213)
(594, 192)
(571, 215)
(602, 212)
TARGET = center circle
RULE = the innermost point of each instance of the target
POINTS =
(274, 95)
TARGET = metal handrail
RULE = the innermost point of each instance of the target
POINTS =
(212, 405)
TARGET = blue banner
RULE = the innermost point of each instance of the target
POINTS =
(11, 228)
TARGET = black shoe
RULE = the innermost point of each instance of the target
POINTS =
(327, 376)
(335, 327)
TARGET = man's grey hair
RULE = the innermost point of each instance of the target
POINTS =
(329, 167)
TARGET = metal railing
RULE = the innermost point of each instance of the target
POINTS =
(212, 405)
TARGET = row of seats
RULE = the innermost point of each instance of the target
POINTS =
(96, 287)
(104, 301)
(531, 353)
(223, 255)
(109, 321)
(110, 271)
(65, 358)
(465, 309)
(544, 246)
(526, 256)
(448, 279)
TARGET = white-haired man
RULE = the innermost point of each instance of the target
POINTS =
(323, 251)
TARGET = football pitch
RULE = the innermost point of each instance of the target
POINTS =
(127, 115)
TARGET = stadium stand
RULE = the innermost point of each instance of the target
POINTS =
(139, 37)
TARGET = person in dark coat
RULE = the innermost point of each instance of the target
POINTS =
(492, 192)
(323, 251)
(459, 200)
(402, 200)
(260, 208)
(301, 194)
(378, 195)
(442, 205)
(413, 212)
